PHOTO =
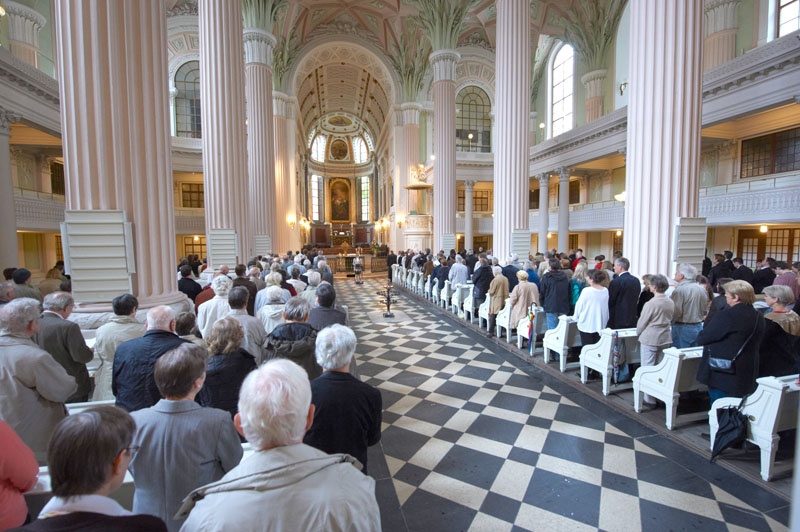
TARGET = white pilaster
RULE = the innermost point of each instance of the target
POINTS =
(24, 24)
(663, 140)
(594, 83)
(222, 103)
(8, 221)
(258, 46)
(563, 209)
(469, 213)
(511, 180)
(444, 144)
(721, 25)
(544, 211)
(116, 142)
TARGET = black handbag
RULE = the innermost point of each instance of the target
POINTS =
(728, 365)
(732, 428)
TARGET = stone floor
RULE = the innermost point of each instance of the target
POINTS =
(476, 438)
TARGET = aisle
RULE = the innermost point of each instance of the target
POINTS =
(480, 440)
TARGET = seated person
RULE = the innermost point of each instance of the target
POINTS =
(347, 412)
(285, 485)
(88, 455)
(228, 366)
(182, 445)
(295, 339)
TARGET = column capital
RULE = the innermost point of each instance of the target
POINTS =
(23, 18)
(444, 64)
(544, 179)
(469, 185)
(258, 46)
(6, 119)
(283, 105)
(720, 15)
(563, 173)
(410, 111)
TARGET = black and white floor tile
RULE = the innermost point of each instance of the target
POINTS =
(475, 438)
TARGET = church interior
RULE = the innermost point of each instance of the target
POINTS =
(136, 133)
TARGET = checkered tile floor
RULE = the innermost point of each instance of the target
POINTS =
(476, 439)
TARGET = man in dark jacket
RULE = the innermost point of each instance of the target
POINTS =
(719, 270)
(325, 313)
(132, 381)
(391, 259)
(295, 339)
(554, 293)
(187, 285)
(741, 272)
(481, 280)
(623, 297)
(764, 276)
(242, 280)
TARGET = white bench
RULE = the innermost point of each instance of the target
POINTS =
(469, 308)
(446, 293)
(396, 273)
(503, 320)
(483, 312)
(599, 356)
(420, 289)
(539, 325)
(560, 339)
(408, 281)
(770, 409)
(426, 289)
(460, 293)
(666, 380)
(74, 408)
(435, 292)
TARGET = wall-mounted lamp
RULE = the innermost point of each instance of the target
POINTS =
(400, 221)
(763, 228)
(2, 11)
(196, 238)
(619, 233)
(549, 235)
(541, 125)
(621, 197)
(622, 88)
(433, 157)
(291, 221)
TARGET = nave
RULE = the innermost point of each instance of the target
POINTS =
(476, 439)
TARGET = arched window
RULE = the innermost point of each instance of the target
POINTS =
(316, 197)
(561, 93)
(187, 101)
(364, 197)
(788, 16)
(318, 148)
(360, 151)
(473, 120)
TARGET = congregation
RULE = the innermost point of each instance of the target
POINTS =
(232, 369)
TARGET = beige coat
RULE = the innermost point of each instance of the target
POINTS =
(498, 291)
(523, 296)
(653, 326)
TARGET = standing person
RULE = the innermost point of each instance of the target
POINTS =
(577, 283)
(87, 459)
(34, 387)
(391, 259)
(691, 304)
(481, 280)
(228, 366)
(764, 276)
(63, 339)
(358, 267)
(554, 292)
(498, 292)
(295, 339)
(216, 308)
(285, 485)
(741, 272)
(653, 326)
(22, 285)
(195, 445)
(347, 413)
(739, 329)
(187, 284)
(591, 309)
(123, 326)
(254, 333)
(623, 296)
(522, 297)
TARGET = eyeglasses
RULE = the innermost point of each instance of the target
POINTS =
(133, 449)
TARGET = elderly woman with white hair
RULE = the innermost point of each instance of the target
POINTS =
(347, 416)
(295, 339)
(217, 307)
(271, 312)
(310, 293)
(779, 353)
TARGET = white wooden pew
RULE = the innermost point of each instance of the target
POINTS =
(770, 409)
(539, 325)
(599, 356)
(469, 308)
(421, 283)
(436, 291)
(483, 312)
(426, 289)
(445, 295)
(74, 408)
(460, 293)
(560, 339)
(666, 380)
(503, 320)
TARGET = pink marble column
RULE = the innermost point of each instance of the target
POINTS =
(544, 211)
(400, 194)
(444, 144)
(511, 123)
(8, 221)
(663, 145)
(258, 46)
(115, 124)
(721, 25)
(284, 212)
(222, 104)
(563, 209)
(469, 214)
(410, 148)
(24, 24)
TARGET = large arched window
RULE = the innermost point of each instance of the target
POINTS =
(473, 120)
(561, 90)
(318, 148)
(187, 101)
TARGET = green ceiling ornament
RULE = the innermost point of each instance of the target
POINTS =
(285, 53)
(410, 59)
(442, 21)
(591, 28)
(260, 14)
